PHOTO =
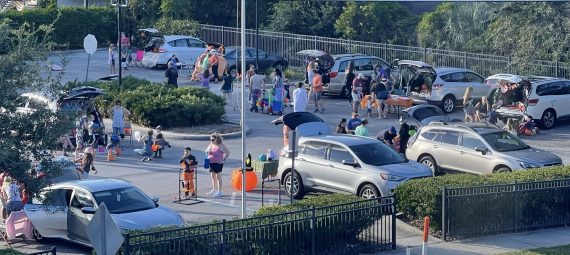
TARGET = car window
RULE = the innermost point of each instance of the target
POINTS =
(551, 89)
(453, 77)
(36, 104)
(50, 197)
(472, 142)
(338, 154)
(315, 149)
(379, 62)
(448, 137)
(430, 134)
(21, 101)
(81, 199)
(472, 77)
(363, 64)
(426, 112)
(124, 200)
(251, 52)
(505, 141)
(180, 43)
(195, 43)
(342, 66)
(377, 154)
(566, 88)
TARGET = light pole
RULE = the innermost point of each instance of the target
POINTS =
(256, 38)
(119, 4)
(243, 70)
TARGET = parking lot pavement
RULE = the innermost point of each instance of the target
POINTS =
(160, 177)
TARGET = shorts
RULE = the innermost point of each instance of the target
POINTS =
(356, 97)
(216, 167)
(317, 95)
(112, 62)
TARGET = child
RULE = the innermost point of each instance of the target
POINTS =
(493, 115)
(146, 151)
(160, 142)
(369, 105)
(87, 162)
(115, 142)
(528, 127)
(511, 126)
(188, 163)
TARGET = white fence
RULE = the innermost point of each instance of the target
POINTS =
(286, 45)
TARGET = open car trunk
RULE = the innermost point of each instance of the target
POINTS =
(325, 62)
(510, 103)
(412, 76)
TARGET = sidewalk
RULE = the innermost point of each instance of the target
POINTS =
(410, 237)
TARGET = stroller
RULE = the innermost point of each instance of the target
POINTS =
(268, 105)
(527, 126)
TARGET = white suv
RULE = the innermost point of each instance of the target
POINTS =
(446, 85)
(547, 102)
(362, 64)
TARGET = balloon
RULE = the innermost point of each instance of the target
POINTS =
(138, 136)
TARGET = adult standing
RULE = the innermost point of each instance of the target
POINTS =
(12, 195)
(362, 130)
(318, 91)
(468, 107)
(214, 61)
(278, 82)
(171, 74)
(380, 93)
(125, 43)
(227, 87)
(310, 76)
(119, 113)
(256, 83)
(112, 58)
(217, 153)
(300, 98)
(404, 137)
(357, 88)
(348, 79)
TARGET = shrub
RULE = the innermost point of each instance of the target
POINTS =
(71, 24)
(422, 197)
(153, 104)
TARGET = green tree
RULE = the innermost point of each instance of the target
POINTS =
(27, 138)
(305, 17)
(377, 22)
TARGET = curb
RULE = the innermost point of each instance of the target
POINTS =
(415, 230)
(182, 136)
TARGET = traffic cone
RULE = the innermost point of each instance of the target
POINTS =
(110, 155)
(118, 151)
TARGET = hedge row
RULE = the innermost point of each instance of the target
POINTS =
(422, 197)
(71, 24)
(153, 104)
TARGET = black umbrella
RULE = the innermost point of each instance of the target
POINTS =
(294, 119)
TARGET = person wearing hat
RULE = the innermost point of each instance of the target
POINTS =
(357, 88)
(188, 163)
(353, 123)
(362, 130)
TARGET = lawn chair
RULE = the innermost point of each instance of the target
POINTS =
(128, 130)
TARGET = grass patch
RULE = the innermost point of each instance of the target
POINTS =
(556, 250)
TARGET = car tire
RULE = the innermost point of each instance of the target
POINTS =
(503, 169)
(300, 193)
(369, 191)
(448, 104)
(37, 236)
(429, 161)
(548, 119)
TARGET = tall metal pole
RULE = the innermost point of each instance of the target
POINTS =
(256, 38)
(243, 198)
(119, 42)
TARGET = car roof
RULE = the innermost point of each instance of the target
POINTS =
(176, 37)
(95, 185)
(446, 70)
(238, 47)
(477, 127)
(413, 63)
(350, 55)
(36, 96)
(348, 140)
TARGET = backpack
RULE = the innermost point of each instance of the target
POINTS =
(381, 92)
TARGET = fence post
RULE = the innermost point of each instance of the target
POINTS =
(126, 244)
(443, 214)
(222, 239)
(283, 44)
(509, 64)
(515, 203)
(313, 229)
(386, 53)
(393, 223)
(557, 67)
(223, 36)
(465, 59)
(315, 42)
(425, 55)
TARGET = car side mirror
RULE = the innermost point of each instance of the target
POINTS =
(88, 210)
(350, 163)
(155, 200)
(483, 150)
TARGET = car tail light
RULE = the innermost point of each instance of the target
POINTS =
(162, 50)
(437, 86)
(532, 101)
(333, 74)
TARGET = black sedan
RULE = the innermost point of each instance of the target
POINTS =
(266, 61)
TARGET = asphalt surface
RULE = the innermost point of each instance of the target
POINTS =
(159, 178)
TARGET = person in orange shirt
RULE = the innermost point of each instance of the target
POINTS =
(318, 91)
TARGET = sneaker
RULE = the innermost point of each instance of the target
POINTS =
(218, 194)
(211, 192)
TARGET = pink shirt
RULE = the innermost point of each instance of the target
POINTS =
(215, 154)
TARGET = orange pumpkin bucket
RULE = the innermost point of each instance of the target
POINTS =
(250, 180)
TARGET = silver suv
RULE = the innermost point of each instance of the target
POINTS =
(362, 64)
(474, 148)
(349, 164)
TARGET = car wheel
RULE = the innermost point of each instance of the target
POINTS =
(298, 188)
(503, 169)
(448, 104)
(37, 236)
(429, 161)
(369, 191)
(548, 119)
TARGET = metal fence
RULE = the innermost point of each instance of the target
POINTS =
(359, 227)
(52, 251)
(286, 45)
(508, 208)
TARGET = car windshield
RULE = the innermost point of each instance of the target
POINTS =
(426, 112)
(377, 154)
(124, 200)
(504, 141)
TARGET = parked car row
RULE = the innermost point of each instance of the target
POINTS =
(369, 168)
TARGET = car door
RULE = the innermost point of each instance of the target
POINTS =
(264, 61)
(48, 213)
(455, 84)
(560, 102)
(77, 221)
(337, 175)
(480, 89)
(446, 149)
(474, 161)
(311, 162)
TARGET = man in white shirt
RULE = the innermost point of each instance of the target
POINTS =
(300, 98)
(256, 83)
